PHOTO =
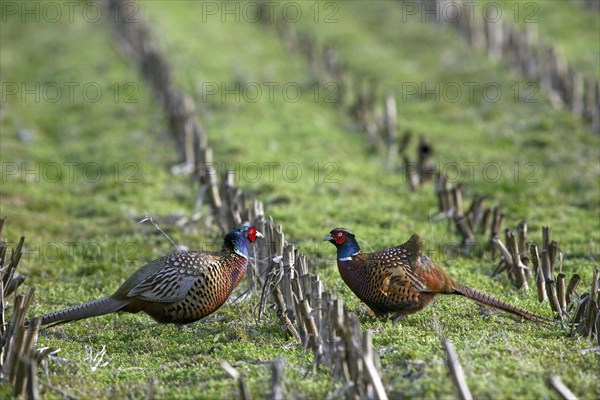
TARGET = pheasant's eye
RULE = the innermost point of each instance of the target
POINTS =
(252, 234)
(340, 234)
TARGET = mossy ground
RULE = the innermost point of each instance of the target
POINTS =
(83, 237)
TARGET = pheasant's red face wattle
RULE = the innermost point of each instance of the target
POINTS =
(339, 237)
(252, 234)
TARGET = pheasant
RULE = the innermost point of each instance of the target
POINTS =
(401, 279)
(178, 288)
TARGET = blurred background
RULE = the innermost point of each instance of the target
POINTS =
(456, 120)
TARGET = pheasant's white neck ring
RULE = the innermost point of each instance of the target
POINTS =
(239, 253)
(347, 258)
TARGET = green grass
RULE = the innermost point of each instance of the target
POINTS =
(501, 358)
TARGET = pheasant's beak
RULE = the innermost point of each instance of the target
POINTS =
(328, 238)
(259, 235)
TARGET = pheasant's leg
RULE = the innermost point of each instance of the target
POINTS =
(370, 312)
(398, 317)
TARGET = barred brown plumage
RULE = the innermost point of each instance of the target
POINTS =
(401, 279)
(179, 288)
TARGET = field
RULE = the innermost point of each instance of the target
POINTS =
(86, 155)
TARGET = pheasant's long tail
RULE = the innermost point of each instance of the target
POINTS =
(92, 308)
(499, 304)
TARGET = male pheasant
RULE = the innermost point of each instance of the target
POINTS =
(401, 279)
(179, 288)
